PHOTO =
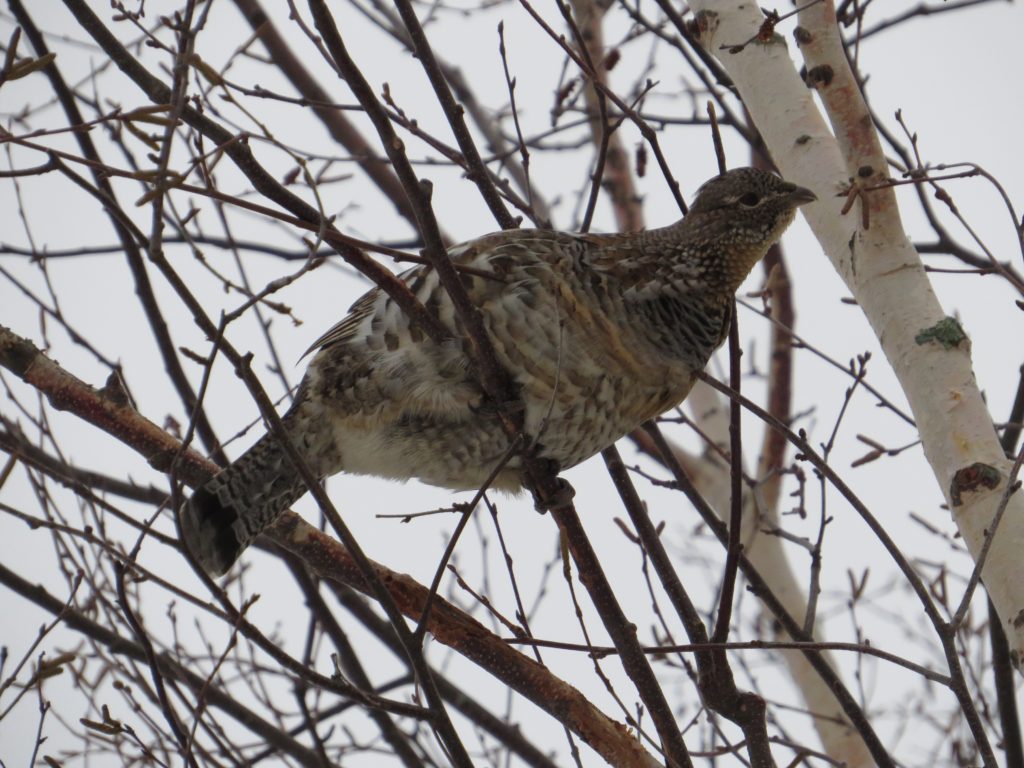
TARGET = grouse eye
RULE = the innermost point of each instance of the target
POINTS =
(750, 199)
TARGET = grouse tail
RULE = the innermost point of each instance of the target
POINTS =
(230, 510)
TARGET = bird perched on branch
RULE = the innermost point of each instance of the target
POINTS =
(598, 332)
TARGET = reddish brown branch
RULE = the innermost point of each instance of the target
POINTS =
(330, 560)
(735, 546)
(130, 248)
(779, 293)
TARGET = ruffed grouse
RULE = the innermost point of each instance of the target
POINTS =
(599, 332)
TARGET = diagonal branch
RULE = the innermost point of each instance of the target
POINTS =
(340, 128)
(330, 560)
(235, 147)
(136, 262)
(453, 111)
(122, 646)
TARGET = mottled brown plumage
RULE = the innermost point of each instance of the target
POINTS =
(599, 332)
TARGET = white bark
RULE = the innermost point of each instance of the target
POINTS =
(882, 269)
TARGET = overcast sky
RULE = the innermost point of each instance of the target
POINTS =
(956, 79)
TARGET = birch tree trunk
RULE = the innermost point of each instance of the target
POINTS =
(928, 351)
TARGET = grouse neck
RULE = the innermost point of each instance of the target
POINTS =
(713, 251)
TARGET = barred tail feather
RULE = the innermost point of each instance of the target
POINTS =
(208, 530)
(223, 516)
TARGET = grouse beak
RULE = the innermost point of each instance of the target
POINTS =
(801, 196)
